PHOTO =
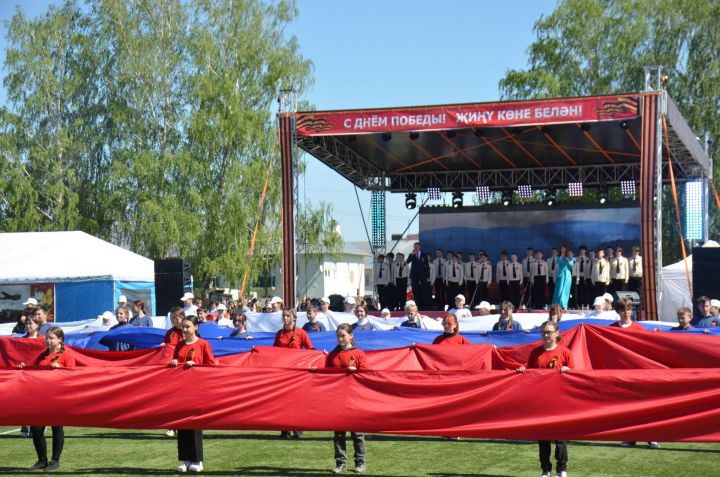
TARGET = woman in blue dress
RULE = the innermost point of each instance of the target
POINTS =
(563, 279)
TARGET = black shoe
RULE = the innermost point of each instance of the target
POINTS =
(285, 435)
(297, 434)
(39, 465)
(52, 465)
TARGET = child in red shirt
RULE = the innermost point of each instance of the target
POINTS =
(624, 308)
(32, 328)
(290, 336)
(190, 351)
(551, 355)
(56, 356)
(451, 335)
(174, 335)
(347, 356)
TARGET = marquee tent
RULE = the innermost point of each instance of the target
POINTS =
(675, 289)
(77, 275)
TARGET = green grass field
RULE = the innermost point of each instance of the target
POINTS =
(105, 452)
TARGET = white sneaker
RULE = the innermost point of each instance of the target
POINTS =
(170, 433)
(653, 445)
(182, 468)
(562, 474)
(545, 474)
(196, 467)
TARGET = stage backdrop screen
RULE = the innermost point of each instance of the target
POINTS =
(496, 228)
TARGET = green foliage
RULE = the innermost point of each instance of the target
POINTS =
(150, 124)
(588, 47)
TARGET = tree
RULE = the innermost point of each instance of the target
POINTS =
(588, 47)
(150, 124)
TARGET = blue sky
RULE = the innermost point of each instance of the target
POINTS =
(380, 53)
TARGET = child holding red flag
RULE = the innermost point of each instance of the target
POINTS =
(451, 335)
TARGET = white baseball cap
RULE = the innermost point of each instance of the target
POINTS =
(325, 300)
(275, 299)
(122, 299)
(599, 301)
(460, 297)
(350, 300)
(484, 306)
(107, 316)
(384, 311)
(187, 296)
(715, 303)
(607, 297)
(31, 301)
(409, 303)
(221, 307)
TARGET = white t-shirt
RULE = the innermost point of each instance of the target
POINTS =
(461, 313)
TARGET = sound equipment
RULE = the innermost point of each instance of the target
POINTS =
(634, 297)
(705, 268)
(173, 277)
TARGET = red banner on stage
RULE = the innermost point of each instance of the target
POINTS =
(520, 113)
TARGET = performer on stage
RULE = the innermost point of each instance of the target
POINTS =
(484, 277)
(552, 270)
(538, 282)
(516, 280)
(619, 271)
(400, 272)
(551, 355)
(563, 279)
(437, 278)
(600, 274)
(503, 274)
(454, 278)
(382, 279)
(581, 272)
(472, 277)
(635, 266)
(419, 275)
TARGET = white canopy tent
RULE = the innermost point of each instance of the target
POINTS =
(675, 289)
(76, 275)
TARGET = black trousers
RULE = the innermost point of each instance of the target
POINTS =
(551, 286)
(58, 442)
(618, 285)
(482, 294)
(440, 294)
(504, 290)
(515, 293)
(382, 295)
(190, 446)
(635, 284)
(537, 297)
(421, 294)
(454, 289)
(471, 293)
(600, 288)
(561, 456)
(583, 292)
(400, 293)
(358, 439)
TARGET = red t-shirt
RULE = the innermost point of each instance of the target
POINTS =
(173, 336)
(342, 358)
(634, 326)
(296, 338)
(200, 352)
(64, 359)
(550, 359)
(456, 339)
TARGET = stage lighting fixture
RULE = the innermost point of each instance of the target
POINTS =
(602, 195)
(550, 197)
(451, 134)
(524, 191)
(627, 188)
(457, 199)
(414, 135)
(624, 124)
(483, 193)
(575, 189)
(693, 210)
(434, 193)
(386, 137)
(410, 200)
(479, 132)
(507, 198)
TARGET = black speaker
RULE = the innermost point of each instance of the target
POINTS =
(634, 297)
(173, 277)
(705, 267)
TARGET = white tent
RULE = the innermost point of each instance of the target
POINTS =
(60, 256)
(77, 276)
(675, 290)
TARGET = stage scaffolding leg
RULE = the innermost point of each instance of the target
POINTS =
(288, 272)
(650, 202)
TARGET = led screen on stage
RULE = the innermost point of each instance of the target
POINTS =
(514, 229)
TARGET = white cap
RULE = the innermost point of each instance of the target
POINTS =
(325, 300)
(484, 306)
(460, 297)
(410, 302)
(350, 300)
(122, 299)
(384, 311)
(275, 299)
(107, 316)
(715, 303)
(31, 301)
(599, 301)
(187, 296)
(607, 297)
(221, 307)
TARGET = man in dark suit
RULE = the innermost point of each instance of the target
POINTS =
(419, 276)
